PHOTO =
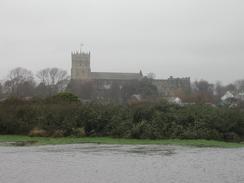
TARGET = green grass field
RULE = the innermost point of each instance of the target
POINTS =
(4, 139)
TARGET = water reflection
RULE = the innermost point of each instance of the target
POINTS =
(113, 149)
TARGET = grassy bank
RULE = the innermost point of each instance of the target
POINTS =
(108, 140)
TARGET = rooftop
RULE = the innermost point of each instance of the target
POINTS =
(116, 76)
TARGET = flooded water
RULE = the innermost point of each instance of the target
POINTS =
(91, 163)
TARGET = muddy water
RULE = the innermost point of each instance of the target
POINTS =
(90, 163)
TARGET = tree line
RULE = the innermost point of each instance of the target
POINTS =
(203, 91)
(64, 115)
(21, 82)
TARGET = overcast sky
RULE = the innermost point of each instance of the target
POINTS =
(202, 39)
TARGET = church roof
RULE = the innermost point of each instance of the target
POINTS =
(115, 76)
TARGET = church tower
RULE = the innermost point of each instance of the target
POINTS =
(81, 69)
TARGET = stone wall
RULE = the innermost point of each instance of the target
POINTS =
(81, 69)
(169, 87)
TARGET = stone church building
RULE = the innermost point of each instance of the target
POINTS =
(81, 72)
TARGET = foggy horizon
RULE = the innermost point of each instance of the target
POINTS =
(179, 38)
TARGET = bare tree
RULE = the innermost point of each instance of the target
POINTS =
(1, 91)
(239, 85)
(203, 92)
(43, 76)
(219, 90)
(203, 86)
(52, 80)
(20, 82)
(151, 75)
(231, 87)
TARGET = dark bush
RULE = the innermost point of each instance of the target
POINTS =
(64, 97)
(64, 115)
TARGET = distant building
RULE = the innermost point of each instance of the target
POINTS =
(168, 87)
(227, 96)
(232, 100)
(175, 100)
(81, 72)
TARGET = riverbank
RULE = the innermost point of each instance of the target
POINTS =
(25, 140)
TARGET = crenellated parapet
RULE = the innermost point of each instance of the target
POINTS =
(78, 55)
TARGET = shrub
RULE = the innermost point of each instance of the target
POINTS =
(231, 137)
(145, 120)
(63, 97)
(58, 133)
(37, 132)
(79, 132)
